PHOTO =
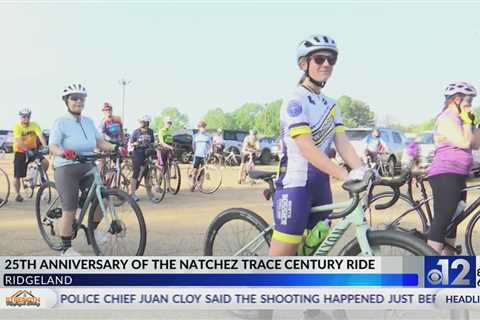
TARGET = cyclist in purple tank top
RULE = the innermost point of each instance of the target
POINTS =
(454, 136)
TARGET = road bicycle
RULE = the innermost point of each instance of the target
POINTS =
(36, 176)
(232, 159)
(368, 242)
(151, 174)
(416, 213)
(121, 229)
(386, 168)
(112, 172)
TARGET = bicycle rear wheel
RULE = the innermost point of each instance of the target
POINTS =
(4, 188)
(209, 179)
(156, 185)
(48, 209)
(121, 231)
(238, 232)
(395, 216)
(174, 178)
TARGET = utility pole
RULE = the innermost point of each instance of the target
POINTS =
(123, 82)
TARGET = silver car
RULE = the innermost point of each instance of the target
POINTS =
(394, 139)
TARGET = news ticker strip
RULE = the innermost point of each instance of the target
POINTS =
(238, 298)
(429, 272)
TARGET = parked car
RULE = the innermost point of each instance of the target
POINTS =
(266, 153)
(6, 140)
(427, 147)
(233, 140)
(394, 139)
(183, 147)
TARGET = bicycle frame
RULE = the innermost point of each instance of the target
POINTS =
(357, 218)
(94, 191)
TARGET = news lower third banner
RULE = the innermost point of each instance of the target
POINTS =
(239, 283)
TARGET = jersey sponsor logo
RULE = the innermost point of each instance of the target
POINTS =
(294, 109)
(285, 209)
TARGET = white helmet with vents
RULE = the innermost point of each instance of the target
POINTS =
(315, 43)
(74, 88)
(460, 87)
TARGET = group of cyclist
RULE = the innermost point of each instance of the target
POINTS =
(310, 123)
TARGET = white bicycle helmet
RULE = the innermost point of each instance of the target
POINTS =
(315, 43)
(460, 87)
(74, 88)
(145, 118)
(25, 112)
(167, 119)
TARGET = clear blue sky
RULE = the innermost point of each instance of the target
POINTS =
(396, 57)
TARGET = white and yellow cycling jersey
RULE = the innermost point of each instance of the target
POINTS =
(305, 112)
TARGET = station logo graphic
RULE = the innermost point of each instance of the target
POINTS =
(22, 298)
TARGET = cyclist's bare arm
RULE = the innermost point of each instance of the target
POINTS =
(317, 158)
(346, 151)
(103, 145)
(42, 140)
(163, 144)
(55, 150)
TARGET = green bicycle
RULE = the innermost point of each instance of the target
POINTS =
(121, 231)
(242, 232)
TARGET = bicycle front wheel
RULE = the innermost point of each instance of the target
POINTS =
(238, 232)
(403, 214)
(472, 235)
(390, 243)
(174, 178)
(121, 230)
(209, 179)
(4, 188)
(48, 209)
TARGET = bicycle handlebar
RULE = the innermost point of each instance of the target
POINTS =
(355, 187)
(395, 185)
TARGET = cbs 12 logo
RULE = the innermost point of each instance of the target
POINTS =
(450, 272)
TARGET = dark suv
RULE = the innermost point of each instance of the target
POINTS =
(183, 147)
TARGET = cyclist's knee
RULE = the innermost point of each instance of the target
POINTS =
(281, 248)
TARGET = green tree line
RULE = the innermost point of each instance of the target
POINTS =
(265, 118)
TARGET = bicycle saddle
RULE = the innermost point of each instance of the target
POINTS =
(264, 175)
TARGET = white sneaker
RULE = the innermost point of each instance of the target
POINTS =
(100, 237)
(71, 252)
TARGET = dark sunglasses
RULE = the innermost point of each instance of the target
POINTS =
(75, 97)
(468, 100)
(320, 59)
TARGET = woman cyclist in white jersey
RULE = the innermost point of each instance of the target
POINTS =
(309, 123)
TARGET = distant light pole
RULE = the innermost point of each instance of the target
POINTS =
(123, 82)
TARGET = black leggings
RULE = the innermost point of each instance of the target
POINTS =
(447, 193)
(138, 159)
